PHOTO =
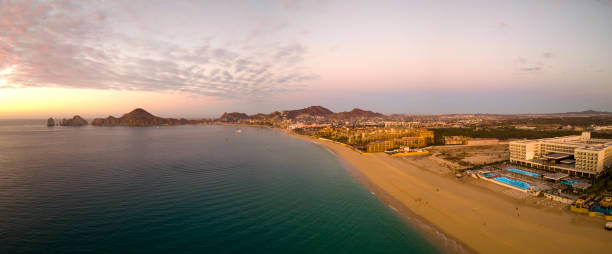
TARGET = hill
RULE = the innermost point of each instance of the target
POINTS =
(308, 113)
(138, 118)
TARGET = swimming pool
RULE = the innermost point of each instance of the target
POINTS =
(523, 172)
(516, 183)
(599, 209)
(489, 175)
(569, 182)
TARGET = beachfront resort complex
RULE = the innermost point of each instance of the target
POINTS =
(376, 139)
(578, 155)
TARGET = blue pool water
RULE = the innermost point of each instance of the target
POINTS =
(523, 172)
(599, 209)
(489, 175)
(513, 182)
(569, 182)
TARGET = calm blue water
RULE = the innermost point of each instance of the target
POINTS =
(523, 172)
(489, 175)
(513, 182)
(599, 209)
(570, 182)
(184, 189)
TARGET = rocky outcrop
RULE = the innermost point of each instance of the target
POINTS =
(233, 117)
(139, 118)
(109, 121)
(75, 121)
(50, 122)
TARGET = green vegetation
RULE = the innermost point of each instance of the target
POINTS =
(505, 133)
(574, 121)
(602, 184)
(607, 135)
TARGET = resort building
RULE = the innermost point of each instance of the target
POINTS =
(574, 155)
(385, 145)
(461, 140)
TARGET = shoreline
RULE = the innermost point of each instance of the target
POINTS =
(470, 215)
(440, 240)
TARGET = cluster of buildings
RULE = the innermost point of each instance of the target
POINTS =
(435, 123)
(578, 155)
(378, 139)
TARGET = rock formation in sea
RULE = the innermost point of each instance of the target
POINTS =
(75, 121)
(140, 117)
(50, 122)
(109, 121)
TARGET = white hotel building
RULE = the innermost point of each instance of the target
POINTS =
(574, 155)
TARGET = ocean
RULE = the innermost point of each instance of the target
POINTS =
(185, 189)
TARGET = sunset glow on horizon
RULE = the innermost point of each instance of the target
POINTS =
(200, 59)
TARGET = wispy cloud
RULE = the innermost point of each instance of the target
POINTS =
(532, 69)
(60, 44)
(502, 26)
(526, 65)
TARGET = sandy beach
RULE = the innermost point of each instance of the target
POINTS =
(477, 216)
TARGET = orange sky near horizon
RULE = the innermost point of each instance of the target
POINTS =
(18, 103)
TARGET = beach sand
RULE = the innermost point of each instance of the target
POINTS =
(479, 218)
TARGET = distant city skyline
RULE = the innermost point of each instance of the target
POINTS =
(200, 59)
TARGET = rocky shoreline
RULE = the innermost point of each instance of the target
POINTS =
(136, 118)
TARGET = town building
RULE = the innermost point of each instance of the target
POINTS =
(574, 155)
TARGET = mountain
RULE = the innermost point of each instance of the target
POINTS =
(358, 113)
(589, 112)
(312, 111)
(233, 117)
(309, 113)
(75, 121)
(139, 117)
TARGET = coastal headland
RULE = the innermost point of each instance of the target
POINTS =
(482, 220)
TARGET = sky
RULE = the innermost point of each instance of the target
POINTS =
(202, 58)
